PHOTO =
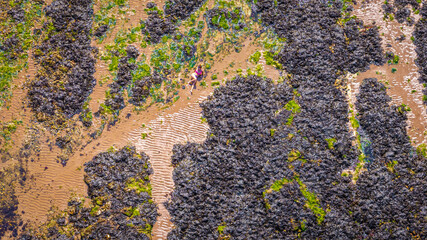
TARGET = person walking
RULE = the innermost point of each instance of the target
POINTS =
(197, 75)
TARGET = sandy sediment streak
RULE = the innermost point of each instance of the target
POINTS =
(162, 134)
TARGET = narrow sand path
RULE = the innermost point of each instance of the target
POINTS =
(162, 134)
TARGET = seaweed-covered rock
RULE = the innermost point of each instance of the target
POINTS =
(221, 177)
(114, 100)
(403, 3)
(17, 13)
(151, 5)
(9, 218)
(391, 139)
(101, 30)
(401, 10)
(66, 66)
(181, 9)
(223, 19)
(393, 187)
(132, 52)
(141, 88)
(156, 26)
(11, 47)
(403, 14)
(257, 177)
(388, 8)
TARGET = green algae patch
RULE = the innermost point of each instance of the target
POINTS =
(254, 58)
(354, 122)
(293, 107)
(422, 150)
(139, 186)
(277, 185)
(290, 120)
(94, 211)
(390, 165)
(269, 60)
(221, 228)
(296, 155)
(312, 202)
(331, 142)
(132, 212)
(147, 230)
(272, 131)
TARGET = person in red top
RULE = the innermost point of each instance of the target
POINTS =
(197, 75)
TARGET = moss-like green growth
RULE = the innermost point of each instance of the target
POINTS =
(132, 212)
(272, 131)
(221, 228)
(139, 186)
(331, 142)
(312, 202)
(422, 150)
(393, 70)
(277, 185)
(354, 122)
(269, 60)
(290, 120)
(391, 164)
(105, 16)
(86, 114)
(403, 108)
(395, 60)
(94, 211)
(225, 18)
(214, 77)
(359, 167)
(147, 230)
(296, 155)
(254, 58)
(293, 107)
(144, 135)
